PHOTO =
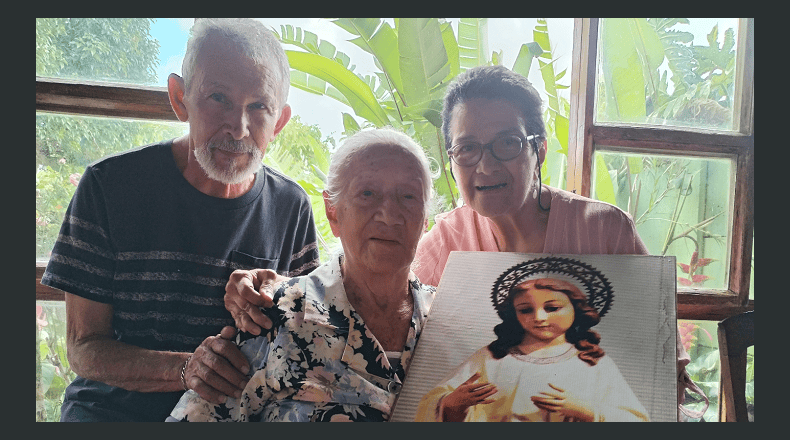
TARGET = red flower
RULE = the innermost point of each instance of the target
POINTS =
(695, 263)
(687, 332)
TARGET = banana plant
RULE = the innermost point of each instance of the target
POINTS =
(299, 153)
(557, 108)
(416, 58)
(631, 54)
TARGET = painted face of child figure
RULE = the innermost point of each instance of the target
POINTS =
(545, 314)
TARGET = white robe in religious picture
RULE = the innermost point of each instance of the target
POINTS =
(518, 377)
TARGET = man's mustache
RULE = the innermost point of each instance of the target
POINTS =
(232, 146)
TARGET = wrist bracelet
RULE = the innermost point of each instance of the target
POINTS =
(183, 372)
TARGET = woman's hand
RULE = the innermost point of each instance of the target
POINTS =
(217, 369)
(566, 403)
(246, 292)
(469, 393)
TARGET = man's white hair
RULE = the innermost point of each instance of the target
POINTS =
(253, 39)
(340, 174)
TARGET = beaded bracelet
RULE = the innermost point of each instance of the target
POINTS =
(183, 372)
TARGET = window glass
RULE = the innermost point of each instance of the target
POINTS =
(123, 50)
(681, 207)
(53, 373)
(503, 40)
(65, 145)
(700, 340)
(667, 71)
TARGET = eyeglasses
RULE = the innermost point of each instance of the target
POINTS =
(503, 148)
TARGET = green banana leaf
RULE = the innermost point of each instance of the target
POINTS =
(604, 189)
(452, 49)
(358, 94)
(350, 124)
(527, 53)
(631, 54)
(423, 59)
(377, 38)
(472, 42)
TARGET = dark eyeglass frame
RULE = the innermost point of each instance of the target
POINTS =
(490, 146)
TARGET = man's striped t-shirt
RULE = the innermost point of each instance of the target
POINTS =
(138, 236)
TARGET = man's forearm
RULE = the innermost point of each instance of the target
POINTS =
(126, 366)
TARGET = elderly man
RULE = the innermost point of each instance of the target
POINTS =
(152, 235)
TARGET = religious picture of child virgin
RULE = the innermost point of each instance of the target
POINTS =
(548, 357)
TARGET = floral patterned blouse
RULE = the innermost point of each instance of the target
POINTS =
(319, 362)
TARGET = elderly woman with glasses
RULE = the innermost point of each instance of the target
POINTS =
(494, 133)
(341, 338)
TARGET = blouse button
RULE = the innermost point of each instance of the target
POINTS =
(394, 387)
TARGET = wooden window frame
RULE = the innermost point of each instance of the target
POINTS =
(152, 103)
(738, 145)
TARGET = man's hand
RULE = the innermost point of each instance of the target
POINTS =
(247, 291)
(218, 369)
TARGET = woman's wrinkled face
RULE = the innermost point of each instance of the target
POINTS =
(491, 187)
(381, 212)
(544, 314)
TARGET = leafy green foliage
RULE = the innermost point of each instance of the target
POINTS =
(699, 341)
(557, 109)
(299, 152)
(53, 373)
(702, 77)
(114, 49)
(417, 58)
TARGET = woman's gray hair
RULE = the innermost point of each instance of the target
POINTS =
(251, 36)
(339, 174)
(494, 82)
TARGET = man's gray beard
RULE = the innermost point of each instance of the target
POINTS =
(228, 176)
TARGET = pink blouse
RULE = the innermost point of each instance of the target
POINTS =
(576, 225)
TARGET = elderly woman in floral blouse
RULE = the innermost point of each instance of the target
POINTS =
(342, 337)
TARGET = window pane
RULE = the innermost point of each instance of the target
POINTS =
(126, 50)
(681, 206)
(667, 71)
(701, 342)
(65, 145)
(52, 367)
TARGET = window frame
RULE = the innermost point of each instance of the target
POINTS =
(152, 103)
(738, 145)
